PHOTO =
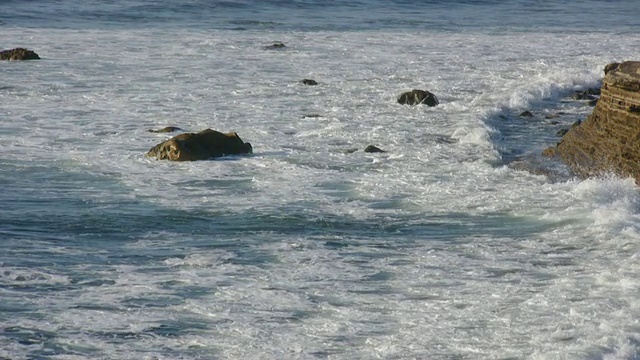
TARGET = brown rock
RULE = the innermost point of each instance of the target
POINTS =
(416, 96)
(549, 152)
(609, 139)
(18, 54)
(204, 145)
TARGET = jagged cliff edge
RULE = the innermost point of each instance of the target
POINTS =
(608, 140)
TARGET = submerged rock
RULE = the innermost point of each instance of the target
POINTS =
(309, 82)
(204, 145)
(417, 96)
(18, 54)
(609, 139)
(167, 129)
(276, 45)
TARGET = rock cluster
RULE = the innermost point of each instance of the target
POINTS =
(609, 139)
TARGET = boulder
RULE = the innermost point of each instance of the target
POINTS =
(309, 82)
(416, 96)
(18, 54)
(204, 145)
(608, 140)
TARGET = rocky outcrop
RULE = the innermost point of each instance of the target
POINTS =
(416, 96)
(18, 54)
(204, 145)
(609, 139)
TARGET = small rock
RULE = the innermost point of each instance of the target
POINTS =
(417, 96)
(309, 82)
(526, 113)
(276, 45)
(167, 129)
(311, 116)
(549, 152)
(373, 149)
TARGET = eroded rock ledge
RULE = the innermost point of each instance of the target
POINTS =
(609, 139)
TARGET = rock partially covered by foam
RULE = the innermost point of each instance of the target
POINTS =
(417, 96)
(204, 145)
(609, 139)
(18, 54)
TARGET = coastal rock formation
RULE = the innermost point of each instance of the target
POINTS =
(609, 139)
(416, 96)
(204, 145)
(18, 54)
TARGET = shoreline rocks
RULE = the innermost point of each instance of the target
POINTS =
(609, 139)
(206, 144)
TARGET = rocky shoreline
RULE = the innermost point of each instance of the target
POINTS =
(608, 140)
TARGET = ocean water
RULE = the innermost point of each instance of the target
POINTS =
(459, 242)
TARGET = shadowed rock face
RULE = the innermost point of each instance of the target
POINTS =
(416, 96)
(204, 145)
(609, 139)
(18, 54)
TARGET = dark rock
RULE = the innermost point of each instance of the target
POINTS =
(204, 145)
(416, 96)
(561, 132)
(583, 95)
(309, 82)
(277, 45)
(593, 102)
(526, 113)
(311, 116)
(18, 54)
(373, 149)
(167, 129)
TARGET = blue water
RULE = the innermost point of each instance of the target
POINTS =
(459, 242)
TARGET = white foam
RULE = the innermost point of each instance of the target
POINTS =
(458, 257)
